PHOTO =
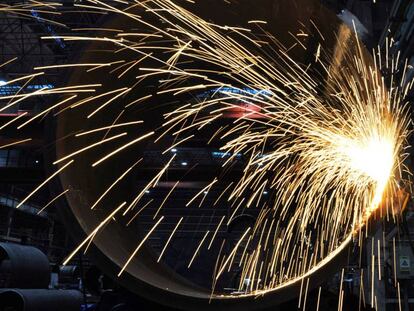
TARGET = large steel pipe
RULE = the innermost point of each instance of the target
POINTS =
(23, 266)
(113, 246)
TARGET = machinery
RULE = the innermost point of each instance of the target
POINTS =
(24, 282)
(182, 275)
(169, 282)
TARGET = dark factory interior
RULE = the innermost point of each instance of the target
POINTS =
(206, 155)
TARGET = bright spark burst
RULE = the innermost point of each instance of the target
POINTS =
(329, 159)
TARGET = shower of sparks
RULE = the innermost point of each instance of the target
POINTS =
(329, 156)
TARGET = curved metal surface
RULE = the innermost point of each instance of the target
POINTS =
(23, 266)
(113, 246)
(40, 300)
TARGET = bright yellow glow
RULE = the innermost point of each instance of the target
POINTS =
(372, 157)
(317, 161)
